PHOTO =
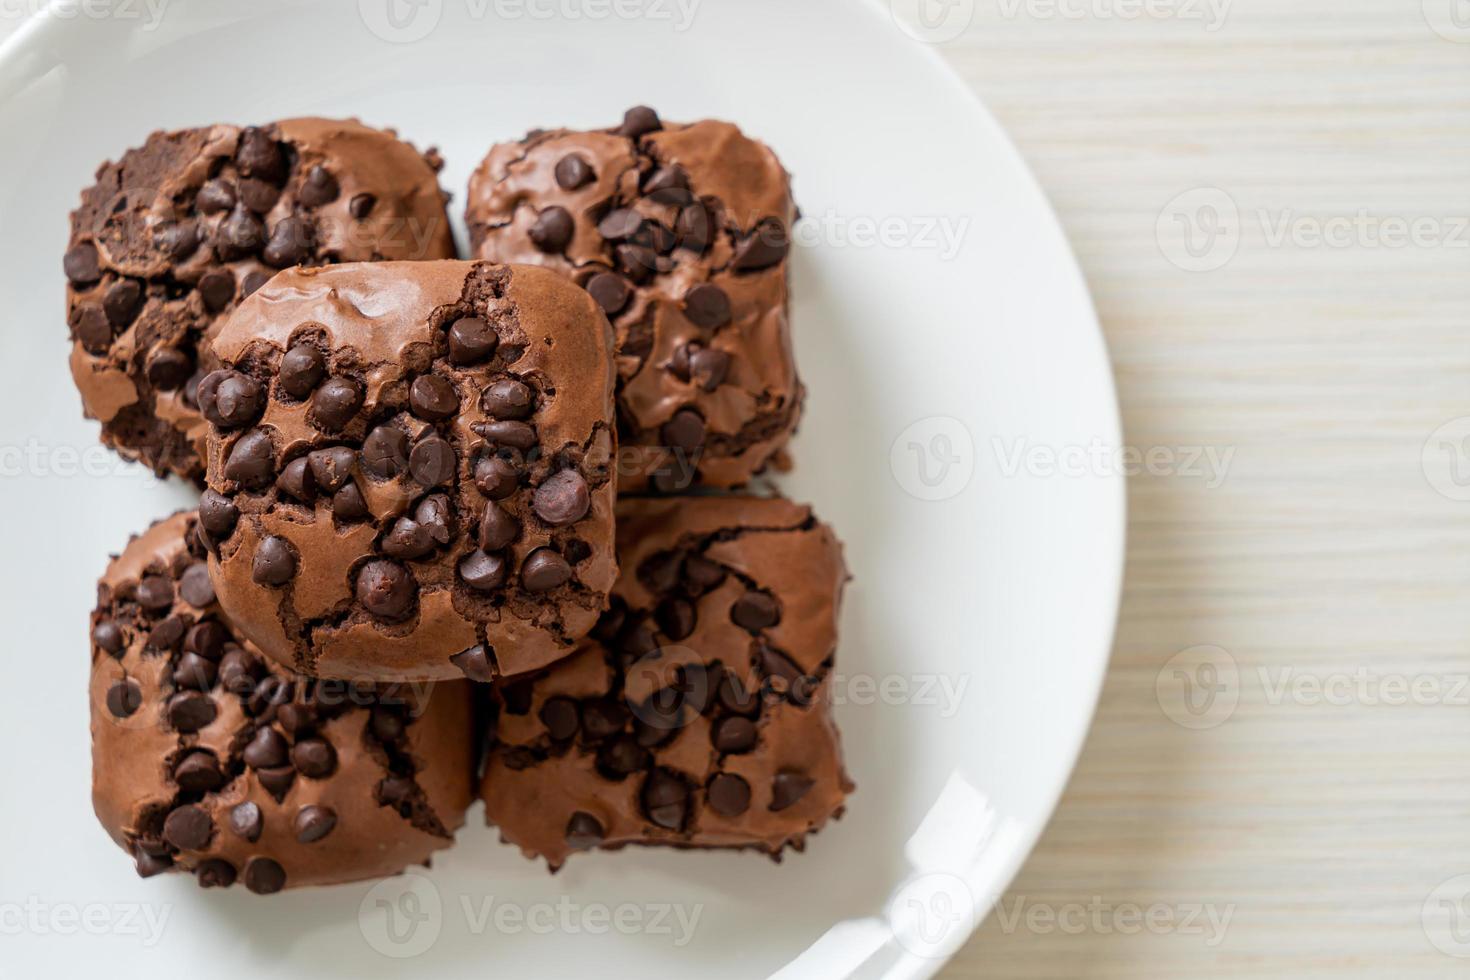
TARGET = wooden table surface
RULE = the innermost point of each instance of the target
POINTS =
(1319, 819)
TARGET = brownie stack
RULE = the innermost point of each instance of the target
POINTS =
(443, 496)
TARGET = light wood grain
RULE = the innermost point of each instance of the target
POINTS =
(1325, 550)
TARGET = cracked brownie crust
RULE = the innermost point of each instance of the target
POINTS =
(179, 230)
(698, 713)
(681, 234)
(409, 469)
(210, 760)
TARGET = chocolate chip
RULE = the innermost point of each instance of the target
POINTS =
(496, 477)
(238, 236)
(124, 698)
(266, 750)
(253, 281)
(348, 504)
(560, 716)
(708, 367)
(121, 302)
(290, 243)
(766, 246)
(215, 196)
(517, 435)
(207, 638)
(179, 239)
(432, 462)
(251, 461)
(230, 399)
(386, 590)
(199, 772)
(436, 516)
(385, 451)
(783, 676)
(621, 757)
(312, 823)
(169, 368)
(217, 289)
(361, 206)
(553, 229)
(707, 305)
(611, 291)
(274, 562)
(407, 540)
(432, 398)
(734, 734)
(787, 788)
(238, 670)
(314, 758)
(82, 264)
(639, 121)
(620, 224)
(336, 402)
(193, 672)
(155, 593)
(296, 719)
(93, 330)
(258, 195)
(755, 611)
(497, 528)
(264, 876)
(676, 617)
(728, 795)
(637, 262)
(563, 498)
(108, 636)
(507, 399)
(319, 187)
(545, 570)
(297, 480)
(195, 587)
(246, 822)
(471, 340)
(302, 369)
(603, 717)
(668, 185)
(215, 873)
(477, 663)
(572, 172)
(694, 229)
(482, 571)
(277, 780)
(665, 799)
(584, 831)
(166, 635)
(735, 698)
(188, 827)
(685, 431)
(218, 514)
(331, 467)
(260, 156)
(700, 575)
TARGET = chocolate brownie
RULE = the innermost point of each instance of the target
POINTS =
(681, 234)
(208, 759)
(410, 469)
(176, 232)
(698, 713)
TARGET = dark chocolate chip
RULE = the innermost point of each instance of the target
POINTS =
(407, 540)
(167, 634)
(314, 758)
(348, 505)
(496, 477)
(639, 121)
(302, 369)
(517, 435)
(298, 481)
(336, 402)
(215, 873)
(199, 772)
(179, 239)
(82, 264)
(385, 451)
(622, 756)
(735, 698)
(331, 467)
(432, 398)
(707, 305)
(264, 876)
(290, 243)
(319, 187)
(313, 822)
(476, 663)
(787, 788)
(266, 750)
(694, 229)
(121, 302)
(277, 780)
(700, 575)
(361, 206)
(676, 617)
(246, 821)
(471, 340)
(109, 636)
(563, 498)
(497, 528)
(152, 864)
(238, 236)
(253, 281)
(767, 245)
(215, 196)
(207, 638)
(668, 185)
(482, 571)
(708, 367)
(436, 516)
(508, 399)
(584, 831)
(637, 262)
(155, 593)
(169, 368)
(432, 461)
(665, 799)
(274, 562)
(259, 195)
(755, 611)
(260, 156)
(217, 289)
(251, 462)
(386, 590)
(734, 734)
(230, 399)
(124, 698)
(603, 717)
(188, 827)
(572, 172)
(93, 331)
(728, 795)
(620, 224)
(611, 291)
(685, 431)
(218, 514)
(560, 717)
(660, 571)
(544, 570)
(553, 229)
(195, 587)
(194, 672)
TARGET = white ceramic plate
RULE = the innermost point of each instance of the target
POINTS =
(949, 345)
